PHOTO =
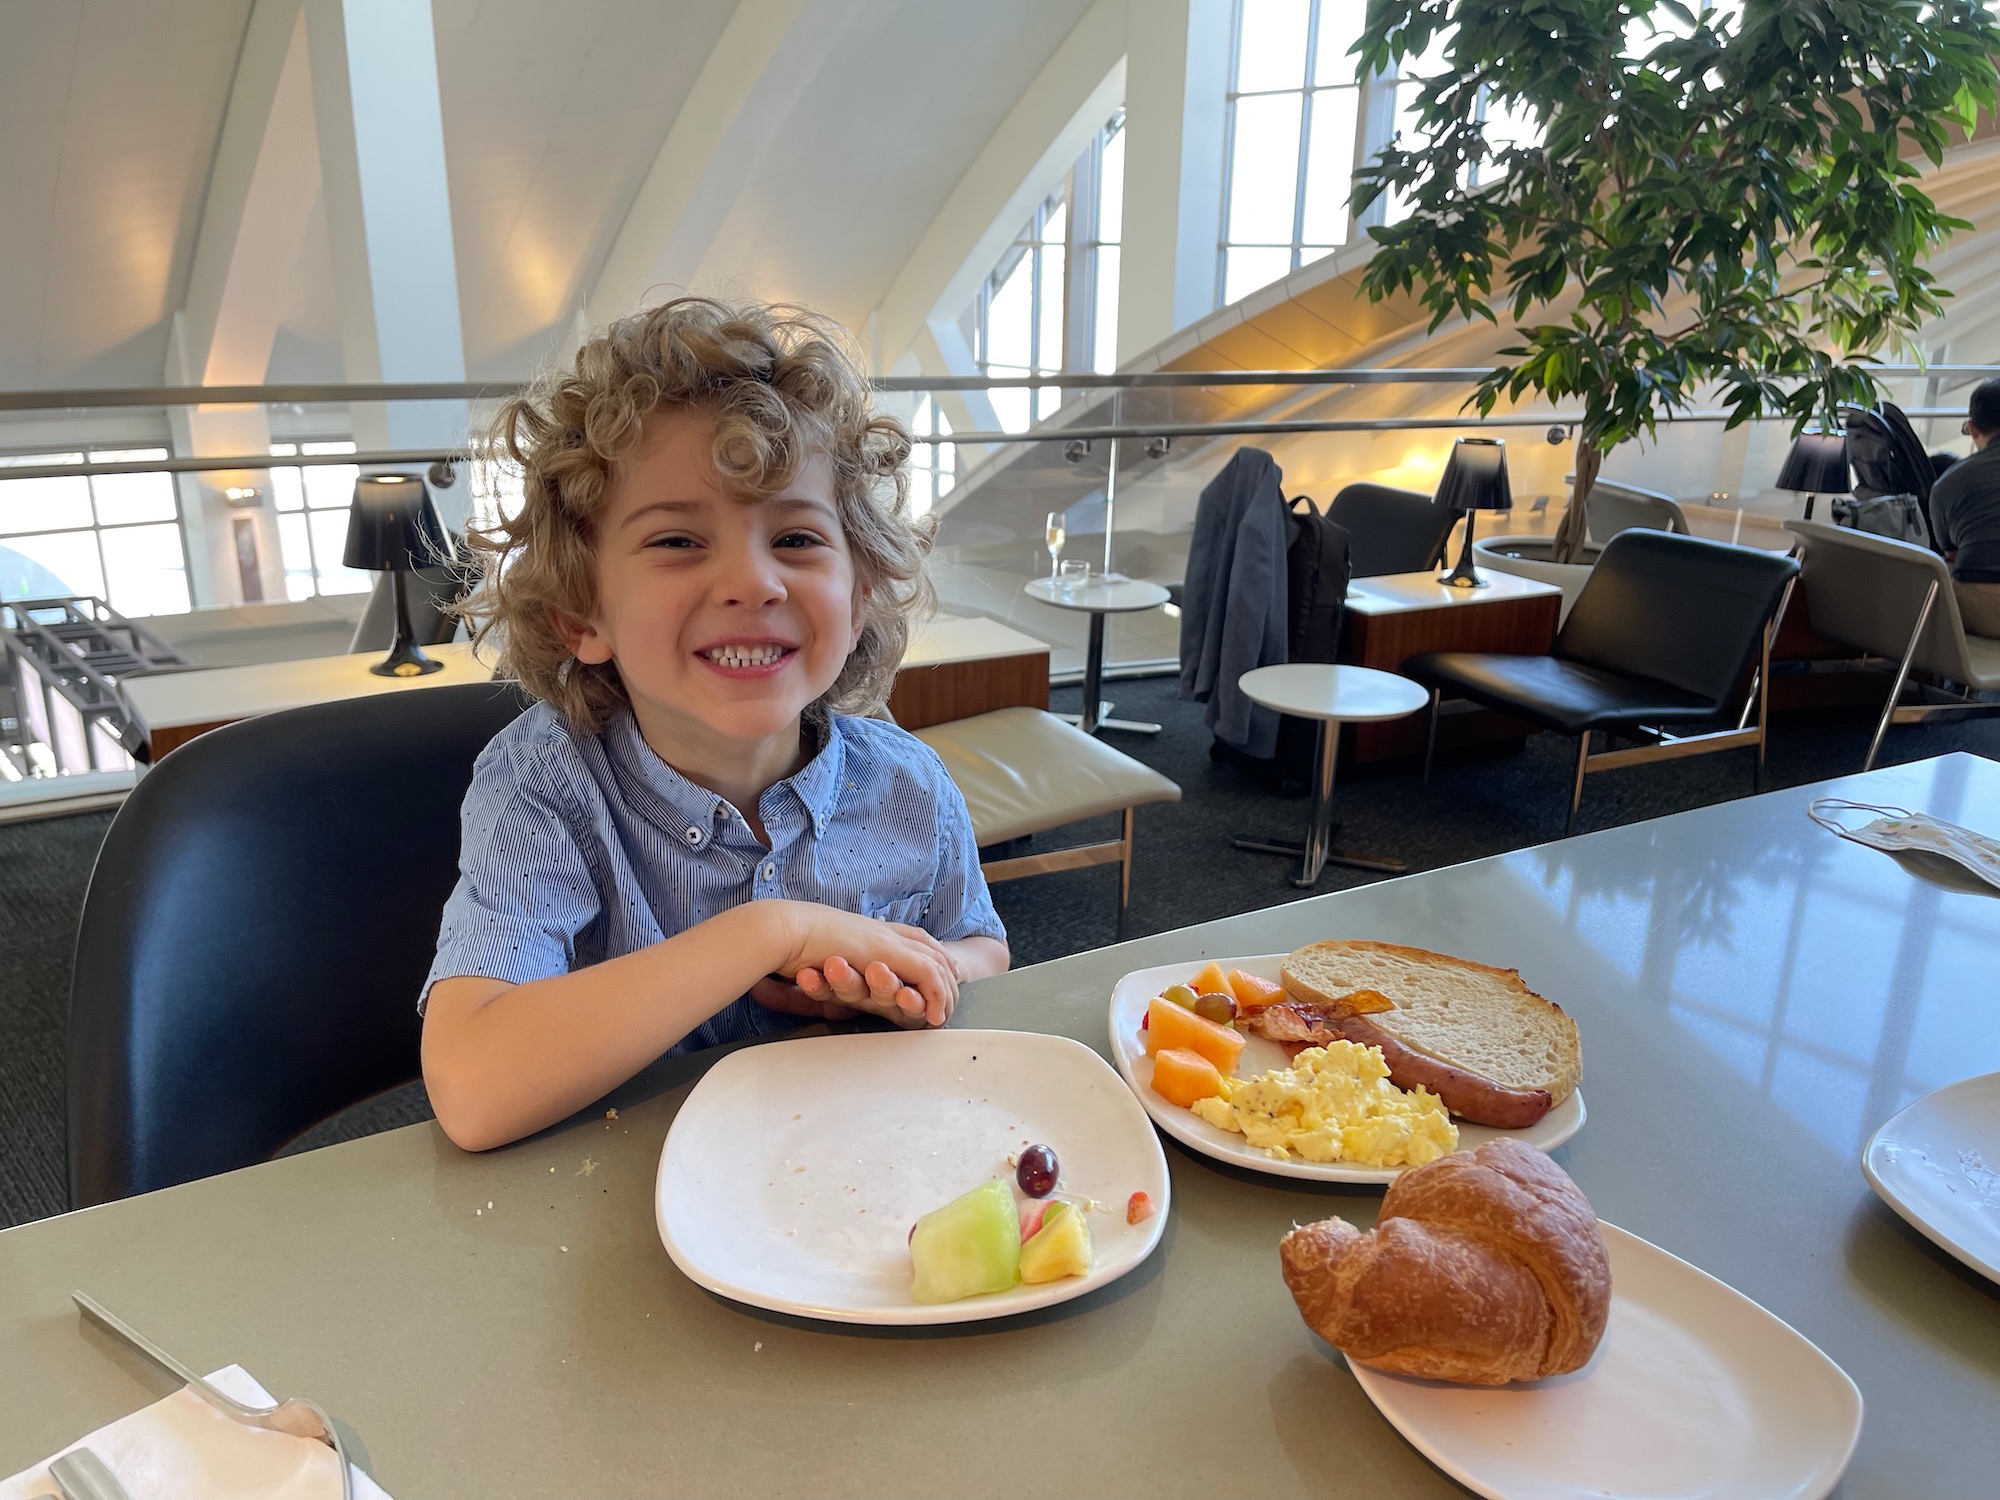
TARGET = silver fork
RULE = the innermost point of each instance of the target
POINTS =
(296, 1417)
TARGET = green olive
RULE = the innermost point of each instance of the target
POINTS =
(1217, 1008)
(1181, 995)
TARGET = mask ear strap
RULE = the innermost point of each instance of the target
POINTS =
(1822, 810)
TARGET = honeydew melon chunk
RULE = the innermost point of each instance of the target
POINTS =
(969, 1247)
(1061, 1247)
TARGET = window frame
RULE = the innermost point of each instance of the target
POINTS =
(85, 455)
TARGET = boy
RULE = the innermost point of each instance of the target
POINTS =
(686, 842)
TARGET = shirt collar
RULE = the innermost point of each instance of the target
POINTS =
(693, 814)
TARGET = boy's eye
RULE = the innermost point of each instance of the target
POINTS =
(799, 539)
(671, 541)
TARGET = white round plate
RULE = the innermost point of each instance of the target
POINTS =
(794, 1170)
(1128, 1007)
(1695, 1391)
(1938, 1165)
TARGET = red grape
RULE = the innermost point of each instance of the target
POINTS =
(1037, 1172)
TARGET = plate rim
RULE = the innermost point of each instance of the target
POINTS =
(966, 1310)
(1905, 1210)
(1845, 1384)
(1168, 1117)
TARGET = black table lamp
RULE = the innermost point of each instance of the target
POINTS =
(1475, 478)
(1817, 465)
(394, 527)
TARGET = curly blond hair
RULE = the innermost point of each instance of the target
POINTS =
(780, 383)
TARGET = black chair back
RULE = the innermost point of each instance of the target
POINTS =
(1391, 530)
(259, 922)
(1676, 609)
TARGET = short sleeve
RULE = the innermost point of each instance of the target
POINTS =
(525, 890)
(961, 906)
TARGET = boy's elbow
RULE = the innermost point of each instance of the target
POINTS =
(457, 1108)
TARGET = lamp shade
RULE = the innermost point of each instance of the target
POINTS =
(394, 526)
(1817, 464)
(1475, 477)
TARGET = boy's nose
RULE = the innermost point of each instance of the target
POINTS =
(749, 576)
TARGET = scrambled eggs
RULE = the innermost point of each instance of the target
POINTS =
(1334, 1103)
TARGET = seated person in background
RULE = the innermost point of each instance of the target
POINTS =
(689, 841)
(1965, 516)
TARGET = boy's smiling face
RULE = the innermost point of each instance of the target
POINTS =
(727, 616)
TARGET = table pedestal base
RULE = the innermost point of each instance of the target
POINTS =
(1105, 721)
(1316, 853)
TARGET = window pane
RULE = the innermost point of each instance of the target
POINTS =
(1330, 166)
(287, 491)
(1008, 317)
(148, 572)
(1263, 170)
(1104, 341)
(1050, 351)
(1009, 406)
(45, 505)
(330, 486)
(297, 554)
(1055, 227)
(1340, 25)
(1271, 53)
(62, 562)
(1248, 268)
(1111, 190)
(1310, 253)
(133, 497)
(329, 534)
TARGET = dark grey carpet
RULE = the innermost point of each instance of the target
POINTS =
(1186, 872)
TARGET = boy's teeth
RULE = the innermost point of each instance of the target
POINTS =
(745, 656)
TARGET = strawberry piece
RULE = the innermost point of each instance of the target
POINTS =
(1138, 1207)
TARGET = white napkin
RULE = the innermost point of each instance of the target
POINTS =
(184, 1449)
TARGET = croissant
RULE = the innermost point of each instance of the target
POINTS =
(1484, 1267)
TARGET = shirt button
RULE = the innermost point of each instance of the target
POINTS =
(694, 835)
(770, 872)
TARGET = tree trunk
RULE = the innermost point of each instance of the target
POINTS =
(1571, 535)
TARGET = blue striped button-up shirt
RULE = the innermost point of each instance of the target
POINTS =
(581, 847)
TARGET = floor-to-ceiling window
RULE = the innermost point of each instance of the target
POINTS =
(116, 537)
(312, 502)
(1293, 125)
(933, 466)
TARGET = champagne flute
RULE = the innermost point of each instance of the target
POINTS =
(1056, 536)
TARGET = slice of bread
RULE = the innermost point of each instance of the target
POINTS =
(1472, 1016)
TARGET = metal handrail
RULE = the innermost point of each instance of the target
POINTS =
(475, 390)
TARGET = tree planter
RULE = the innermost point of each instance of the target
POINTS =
(1528, 557)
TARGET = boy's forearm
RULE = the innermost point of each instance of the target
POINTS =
(977, 957)
(536, 1053)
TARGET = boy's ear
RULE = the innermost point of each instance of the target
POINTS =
(863, 592)
(582, 638)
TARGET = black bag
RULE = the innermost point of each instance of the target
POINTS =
(1317, 570)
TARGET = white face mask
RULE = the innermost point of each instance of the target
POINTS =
(1896, 830)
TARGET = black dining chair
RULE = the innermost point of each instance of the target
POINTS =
(1670, 633)
(259, 922)
(1391, 530)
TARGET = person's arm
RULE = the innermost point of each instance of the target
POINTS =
(502, 1061)
(977, 957)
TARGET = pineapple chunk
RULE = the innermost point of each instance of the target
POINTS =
(1061, 1247)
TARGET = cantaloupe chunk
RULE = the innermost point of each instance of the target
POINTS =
(1181, 1077)
(1169, 1026)
(1209, 981)
(1252, 992)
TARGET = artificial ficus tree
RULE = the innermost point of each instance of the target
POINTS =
(1708, 199)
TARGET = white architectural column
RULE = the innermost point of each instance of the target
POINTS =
(388, 208)
(1176, 82)
(260, 198)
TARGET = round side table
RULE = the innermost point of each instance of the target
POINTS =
(1100, 596)
(1333, 695)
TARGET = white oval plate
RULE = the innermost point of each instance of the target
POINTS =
(794, 1170)
(1695, 1391)
(1938, 1165)
(1128, 1007)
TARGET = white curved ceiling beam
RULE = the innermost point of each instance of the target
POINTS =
(1024, 161)
(764, 59)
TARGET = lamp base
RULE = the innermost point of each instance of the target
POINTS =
(1464, 576)
(406, 659)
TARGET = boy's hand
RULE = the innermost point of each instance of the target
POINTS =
(887, 968)
(837, 984)
(775, 993)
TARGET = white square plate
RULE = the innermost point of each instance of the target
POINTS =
(1128, 1008)
(1938, 1165)
(1695, 1391)
(794, 1171)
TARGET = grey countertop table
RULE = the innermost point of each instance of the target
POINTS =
(1755, 997)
